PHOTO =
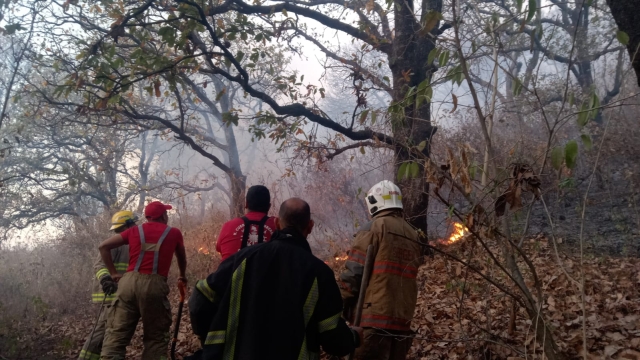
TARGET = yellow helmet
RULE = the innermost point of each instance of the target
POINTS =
(122, 218)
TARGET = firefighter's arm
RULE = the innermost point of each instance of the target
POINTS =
(181, 256)
(105, 253)
(205, 299)
(335, 337)
(99, 269)
(351, 277)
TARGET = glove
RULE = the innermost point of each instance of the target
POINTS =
(109, 286)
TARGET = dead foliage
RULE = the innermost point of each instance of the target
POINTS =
(475, 325)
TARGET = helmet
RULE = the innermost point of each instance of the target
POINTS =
(122, 218)
(383, 195)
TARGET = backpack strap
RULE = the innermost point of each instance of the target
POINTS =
(247, 230)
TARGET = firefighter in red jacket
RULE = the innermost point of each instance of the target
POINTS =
(143, 290)
(253, 228)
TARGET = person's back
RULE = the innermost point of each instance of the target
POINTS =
(392, 290)
(391, 294)
(143, 290)
(253, 228)
(271, 301)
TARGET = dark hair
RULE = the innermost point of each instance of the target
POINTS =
(295, 213)
(258, 199)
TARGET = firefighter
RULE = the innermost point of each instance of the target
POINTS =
(253, 228)
(142, 290)
(391, 295)
(105, 285)
(273, 300)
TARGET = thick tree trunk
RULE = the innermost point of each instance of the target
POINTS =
(627, 16)
(238, 184)
(409, 67)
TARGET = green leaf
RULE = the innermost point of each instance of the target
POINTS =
(622, 37)
(443, 59)
(432, 55)
(429, 21)
(533, 6)
(413, 170)
(557, 158)
(362, 150)
(401, 171)
(11, 29)
(583, 115)
(586, 140)
(230, 118)
(386, 78)
(374, 117)
(517, 87)
(363, 116)
(519, 5)
(239, 56)
(422, 145)
(571, 153)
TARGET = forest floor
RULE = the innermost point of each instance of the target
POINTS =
(448, 325)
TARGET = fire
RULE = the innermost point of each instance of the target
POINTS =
(459, 231)
(203, 250)
(345, 257)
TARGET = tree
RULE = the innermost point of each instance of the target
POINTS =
(170, 40)
(628, 19)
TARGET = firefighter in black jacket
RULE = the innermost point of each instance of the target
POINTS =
(273, 300)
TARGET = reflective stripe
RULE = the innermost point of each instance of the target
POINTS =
(102, 272)
(204, 288)
(141, 254)
(357, 256)
(385, 322)
(395, 268)
(388, 197)
(156, 254)
(155, 248)
(98, 297)
(87, 355)
(215, 337)
(307, 312)
(329, 323)
(234, 310)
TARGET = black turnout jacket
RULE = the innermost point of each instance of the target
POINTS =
(274, 300)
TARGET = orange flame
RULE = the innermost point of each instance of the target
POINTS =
(345, 257)
(203, 250)
(459, 232)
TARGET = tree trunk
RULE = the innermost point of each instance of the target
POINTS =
(627, 16)
(409, 67)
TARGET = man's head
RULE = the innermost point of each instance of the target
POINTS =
(295, 213)
(157, 212)
(122, 220)
(258, 199)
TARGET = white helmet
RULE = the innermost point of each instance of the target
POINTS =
(383, 195)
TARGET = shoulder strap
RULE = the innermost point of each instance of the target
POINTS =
(156, 254)
(141, 254)
(261, 228)
(247, 230)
